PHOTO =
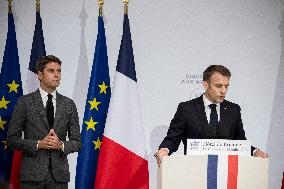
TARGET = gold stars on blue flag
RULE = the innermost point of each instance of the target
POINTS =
(13, 86)
(97, 143)
(95, 114)
(10, 91)
(103, 88)
(4, 102)
(2, 123)
(94, 104)
(5, 144)
(91, 124)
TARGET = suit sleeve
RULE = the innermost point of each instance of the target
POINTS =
(176, 131)
(74, 142)
(16, 127)
(240, 133)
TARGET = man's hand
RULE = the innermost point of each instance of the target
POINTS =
(43, 143)
(259, 153)
(162, 152)
(51, 141)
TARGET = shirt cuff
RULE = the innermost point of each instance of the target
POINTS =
(253, 152)
(37, 145)
(166, 149)
(62, 149)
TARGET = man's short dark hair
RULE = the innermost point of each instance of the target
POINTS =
(41, 62)
(207, 74)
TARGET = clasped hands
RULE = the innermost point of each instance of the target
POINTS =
(50, 142)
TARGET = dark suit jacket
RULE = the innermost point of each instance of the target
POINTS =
(30, 117)
(190, 121)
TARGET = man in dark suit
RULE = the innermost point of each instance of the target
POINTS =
(45, 117)
(209, 116)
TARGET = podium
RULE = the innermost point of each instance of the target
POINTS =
(213, 171)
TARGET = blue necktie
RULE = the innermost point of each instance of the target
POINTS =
(213, 116)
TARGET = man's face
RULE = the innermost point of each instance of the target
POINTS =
(50, 77)
(216, 89)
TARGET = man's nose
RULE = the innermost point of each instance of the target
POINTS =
(224, 90)
(56, 74)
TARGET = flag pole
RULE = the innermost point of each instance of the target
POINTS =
(125, 6)
(10, 6)
(101, 3)
(37, 5)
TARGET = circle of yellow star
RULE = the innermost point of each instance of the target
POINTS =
(94, 104)
(91, 124)
(97, 143)
(103, 87)
(3, 103)
(13, 86)
(2, 123)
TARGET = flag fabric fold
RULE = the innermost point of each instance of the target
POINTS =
(32, 83)
(37, 51)
(122, 160)
(95, 114)
(10, 91)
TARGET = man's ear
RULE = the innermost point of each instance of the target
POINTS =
(39, 75)
(205, 85)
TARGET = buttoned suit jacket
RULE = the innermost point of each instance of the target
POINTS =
(29, 116)
(190, 121)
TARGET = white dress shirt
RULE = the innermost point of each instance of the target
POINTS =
(44, 98)
(208, 109)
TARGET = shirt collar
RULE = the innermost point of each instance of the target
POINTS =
(207, 102)
(44, 94)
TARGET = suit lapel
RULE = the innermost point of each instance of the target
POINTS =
(40, 108)
(201, 111)
(59, 109)
(223, 115)
(224, 129)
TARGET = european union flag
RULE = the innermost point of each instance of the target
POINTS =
(95, 114)
(10, 91)
(32, 83)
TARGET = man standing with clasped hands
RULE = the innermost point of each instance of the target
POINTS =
(45, 117)
(209, 116)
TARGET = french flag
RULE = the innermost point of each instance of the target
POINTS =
(122, 161)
